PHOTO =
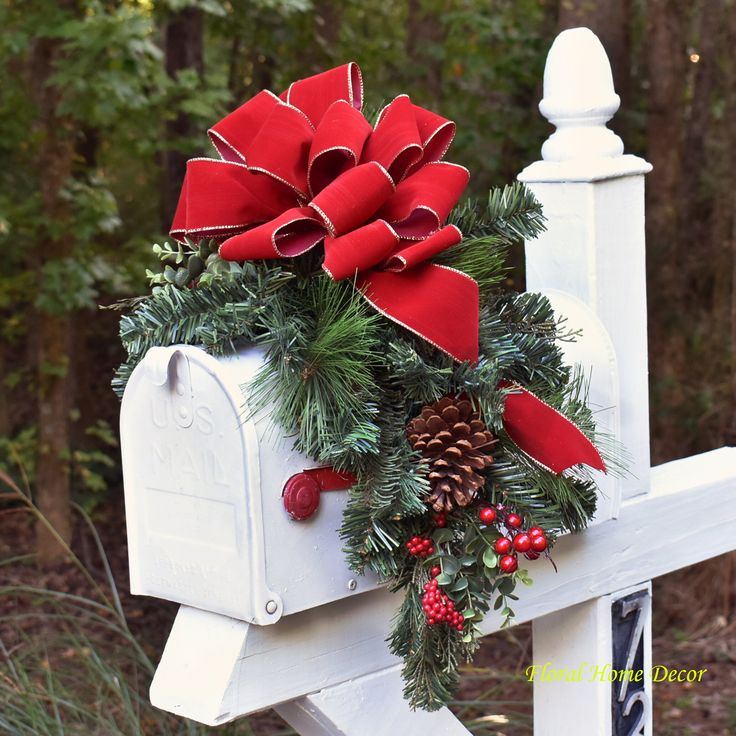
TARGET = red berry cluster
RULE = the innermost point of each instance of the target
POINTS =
(420, 547)
(439, 609)
(530, 543)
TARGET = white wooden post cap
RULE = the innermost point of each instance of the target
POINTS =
(579, 99)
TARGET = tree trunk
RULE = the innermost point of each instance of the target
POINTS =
(183, 50)
(55, 160)
(724, 226)
(667, 76)
(53, 493)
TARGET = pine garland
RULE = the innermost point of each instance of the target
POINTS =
(216, 316)
(345, 381)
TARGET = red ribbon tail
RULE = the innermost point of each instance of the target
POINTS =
(545, 434)
(439, 304)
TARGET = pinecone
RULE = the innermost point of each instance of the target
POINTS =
(454, 440)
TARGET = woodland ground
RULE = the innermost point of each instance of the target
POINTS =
(694, 626)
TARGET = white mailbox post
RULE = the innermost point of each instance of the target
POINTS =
(273, 620)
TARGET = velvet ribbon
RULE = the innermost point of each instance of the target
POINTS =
(544, 434)
(305, 167)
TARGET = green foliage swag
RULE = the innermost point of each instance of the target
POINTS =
(345, 381)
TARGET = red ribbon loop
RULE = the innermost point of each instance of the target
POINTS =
(353, 197)
(219, 198)
(422, 202)
(281, 147)
(395, 142)
(236, 131)
(337, 144)
(359, 250)
(290, 234)
(436, 133)
(417, 252)
(314, 95)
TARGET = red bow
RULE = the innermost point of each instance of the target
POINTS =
(306, 167)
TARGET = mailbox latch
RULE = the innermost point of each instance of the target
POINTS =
(301, 491)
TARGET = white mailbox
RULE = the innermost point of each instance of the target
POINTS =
(204, 485)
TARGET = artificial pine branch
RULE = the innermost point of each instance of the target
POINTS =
(320, 343)
(483, 258)
(511, 213)
(213, 316)
(421, 382)
(391, 487)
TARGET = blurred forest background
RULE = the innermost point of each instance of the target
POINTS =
(102, 102)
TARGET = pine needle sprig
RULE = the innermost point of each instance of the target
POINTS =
(511, 213)
(483, 258)
(480, 381)
(557, 503)
(422, 381)
(321, 350)
(391, 488)
(528, 322)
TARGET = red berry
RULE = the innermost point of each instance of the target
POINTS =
(532, 555)
(440, 520)
(487, 515)
(536, 531)
(435, 571)
(503, 545)
(523, 542)
(539, 544)
(513, 521)
(460, 618)
(508, 563)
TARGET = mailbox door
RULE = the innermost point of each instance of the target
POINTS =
(190, 465)
(593, 350)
